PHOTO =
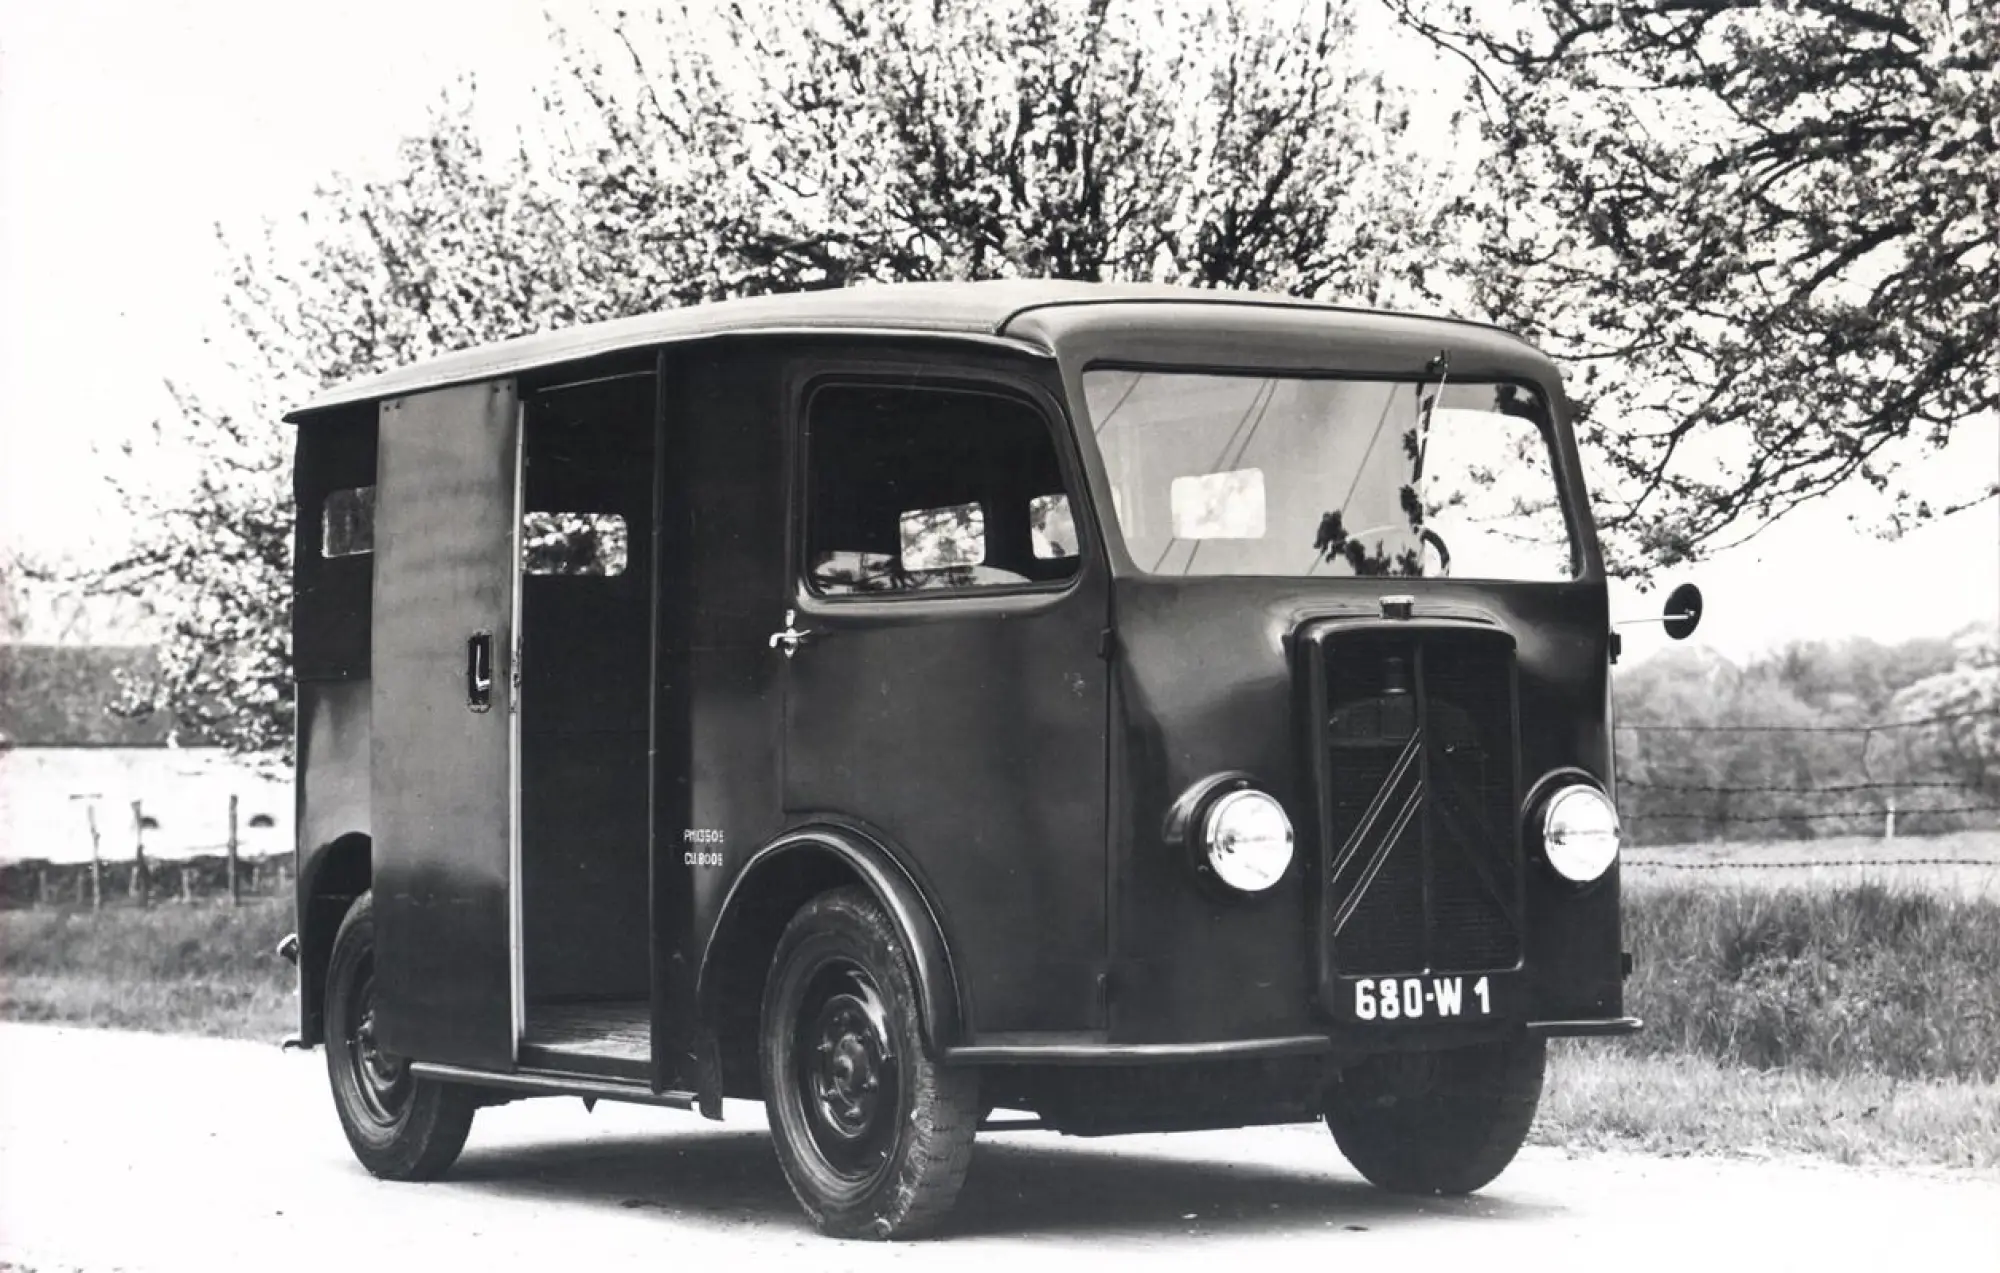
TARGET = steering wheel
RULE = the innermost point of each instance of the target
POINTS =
(1430, 537)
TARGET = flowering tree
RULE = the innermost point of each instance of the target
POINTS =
(686, 157)
(1761, 231)
(1961, 742)
(452, 249)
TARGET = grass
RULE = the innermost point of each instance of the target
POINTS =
(1603, 1096)
(1867, 979)
(205, 969)
(1857, 1022)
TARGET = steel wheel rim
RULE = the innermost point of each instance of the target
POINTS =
(380, 1081)
(849, 1084)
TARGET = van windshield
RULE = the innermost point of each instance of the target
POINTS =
(1259, 475)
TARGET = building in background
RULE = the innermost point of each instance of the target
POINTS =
(68, 757)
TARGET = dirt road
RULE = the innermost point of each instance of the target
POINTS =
(139, 1152)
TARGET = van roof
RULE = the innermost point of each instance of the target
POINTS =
(979, 310)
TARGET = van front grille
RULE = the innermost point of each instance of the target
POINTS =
(1421, 867)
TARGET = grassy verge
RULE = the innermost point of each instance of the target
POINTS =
(175, 969)
(1867, 979)
(1601, 1096)
(1857, 1023)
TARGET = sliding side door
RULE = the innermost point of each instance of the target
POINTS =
(441, 781)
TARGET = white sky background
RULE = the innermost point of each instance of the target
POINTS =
(130, 128)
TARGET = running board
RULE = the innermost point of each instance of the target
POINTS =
(548, 1083)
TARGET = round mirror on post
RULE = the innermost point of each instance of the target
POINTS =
(1683, 612)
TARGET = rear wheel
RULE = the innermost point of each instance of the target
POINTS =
(874, 1136)
(400, 1126)
(1438, 1122)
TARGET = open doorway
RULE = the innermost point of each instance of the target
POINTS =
(585, 630)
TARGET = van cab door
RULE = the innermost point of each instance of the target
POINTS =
(946, 689)
(441, 785)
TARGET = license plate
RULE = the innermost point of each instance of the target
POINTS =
(1422, 998)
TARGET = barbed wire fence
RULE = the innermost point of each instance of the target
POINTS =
(1657, 801)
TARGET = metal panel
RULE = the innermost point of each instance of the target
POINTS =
(331, 817)
(967, 733)
(444, 574)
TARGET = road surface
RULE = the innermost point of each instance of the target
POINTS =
(124, 1151)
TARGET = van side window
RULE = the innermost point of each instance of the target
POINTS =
(919, 489)
(940, 538)
(347, 523)
(574, 544)
(1054, 528)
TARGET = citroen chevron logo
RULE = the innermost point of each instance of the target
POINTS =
(1383, 824)
(1457, 827)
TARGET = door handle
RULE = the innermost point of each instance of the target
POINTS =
(479, 671)
(792, 637)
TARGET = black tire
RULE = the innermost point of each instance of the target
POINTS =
(873, 1134)
(401, 1127)
(1438, 1122)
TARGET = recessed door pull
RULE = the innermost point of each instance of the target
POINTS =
(479, 671)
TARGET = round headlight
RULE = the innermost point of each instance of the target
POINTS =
(1248, 840)
(1580, 833)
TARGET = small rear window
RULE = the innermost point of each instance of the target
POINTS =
(1051, 527)
(347, 523)
(940, 538)
(574, 544)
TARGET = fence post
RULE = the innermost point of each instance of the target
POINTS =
(96, 860)
(187, 894)
(1889, 821)
(235, 898)
(41, 887)
(140, 882)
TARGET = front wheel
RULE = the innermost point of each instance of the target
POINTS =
(874, 1136)
(400, 1126)
(1438, 1122)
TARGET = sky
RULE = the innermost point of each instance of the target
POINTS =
(131, 129)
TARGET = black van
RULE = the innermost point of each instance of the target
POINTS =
(1137, 707)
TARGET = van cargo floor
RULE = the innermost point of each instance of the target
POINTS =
(590, 1038)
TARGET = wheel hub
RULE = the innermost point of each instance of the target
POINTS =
(382, 1083)
(847, 1072)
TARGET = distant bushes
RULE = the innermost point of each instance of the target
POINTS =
(1859, 979)
(1813, 740)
